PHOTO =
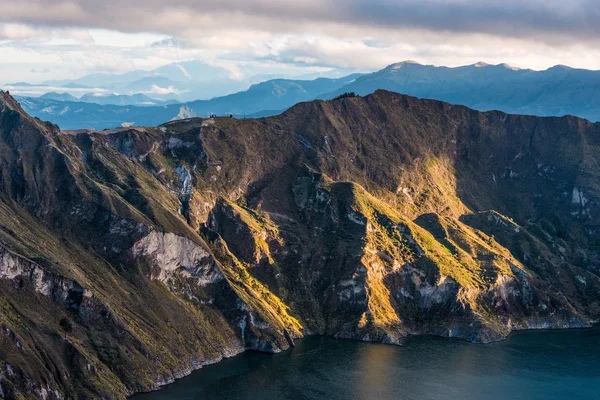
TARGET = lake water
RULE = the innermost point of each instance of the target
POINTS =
(529, 365)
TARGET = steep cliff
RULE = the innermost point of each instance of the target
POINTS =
(130, 257)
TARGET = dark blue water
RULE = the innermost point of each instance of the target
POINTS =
(529, 365)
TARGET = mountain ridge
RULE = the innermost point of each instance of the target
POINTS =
(367, 218)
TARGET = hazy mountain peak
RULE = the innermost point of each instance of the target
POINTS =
(482, 64)
(508, 66)
(561, 66)
(59, 96)
(401, 64)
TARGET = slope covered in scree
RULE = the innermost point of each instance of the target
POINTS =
(130, 257)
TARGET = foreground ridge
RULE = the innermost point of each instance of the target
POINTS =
(130, 257)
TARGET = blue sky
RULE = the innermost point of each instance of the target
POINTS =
(58, 39)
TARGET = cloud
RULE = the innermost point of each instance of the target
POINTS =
(35, 91)
(545, 20)
(160, 90)
(69, 38)
(19, 31)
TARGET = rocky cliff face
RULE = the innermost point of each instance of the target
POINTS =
(130, 257)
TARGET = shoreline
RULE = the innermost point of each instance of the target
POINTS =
(592, 325)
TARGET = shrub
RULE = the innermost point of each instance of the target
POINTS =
(346, 95)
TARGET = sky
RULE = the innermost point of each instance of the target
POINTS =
(63, 39)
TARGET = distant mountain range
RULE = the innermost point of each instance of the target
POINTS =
(556, 91)
(184, 81)
(138, 99)
(181, 81)
(263, 99)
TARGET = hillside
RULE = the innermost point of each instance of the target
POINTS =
(130, 257)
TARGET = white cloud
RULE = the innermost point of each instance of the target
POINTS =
(35, 34)
(104, 37)
(545, 20)
(54, 39)
(35, 91)
(160, 90)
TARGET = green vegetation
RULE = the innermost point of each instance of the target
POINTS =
(345, 96)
